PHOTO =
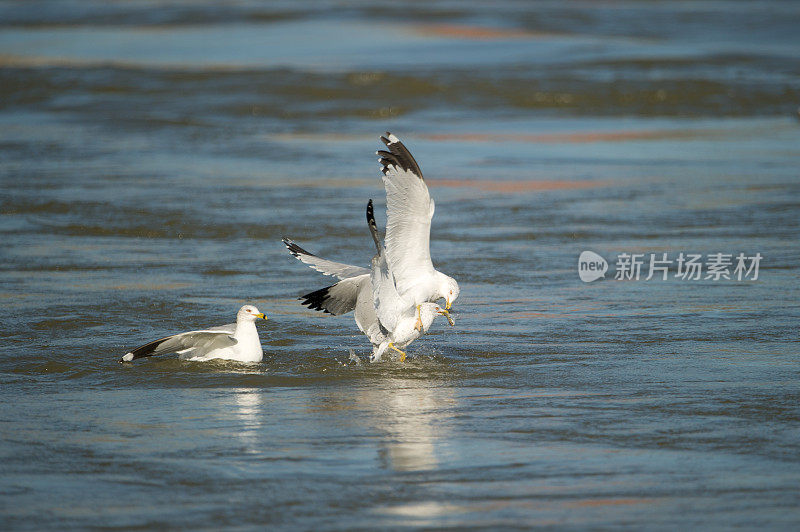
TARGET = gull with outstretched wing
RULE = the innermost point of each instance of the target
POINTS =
(409, 211)
(407, 252)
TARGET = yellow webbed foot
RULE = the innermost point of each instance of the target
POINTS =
(402, 353)
(418, 326)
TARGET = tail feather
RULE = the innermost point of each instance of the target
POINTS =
(146, 350)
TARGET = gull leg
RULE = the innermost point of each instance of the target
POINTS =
(418, 326)
(402, 353)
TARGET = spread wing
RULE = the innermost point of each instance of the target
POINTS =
(366, 318)
(389, 306)
(409, 210)
(194, 342)
(336, 299)
(324, 266)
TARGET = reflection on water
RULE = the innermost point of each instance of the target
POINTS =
(414, 416)
(249, 412)
(409, 417)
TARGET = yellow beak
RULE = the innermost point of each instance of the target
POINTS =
(447, 304)
(262, 316)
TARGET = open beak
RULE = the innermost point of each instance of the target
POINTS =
(447, 315)
(262, 316)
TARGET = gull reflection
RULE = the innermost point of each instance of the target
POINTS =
(408, 419)
(413, 415)
(249, 408)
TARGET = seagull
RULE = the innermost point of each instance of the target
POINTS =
(236, 341)
(409, 213)
(388, 320)
(400, 321)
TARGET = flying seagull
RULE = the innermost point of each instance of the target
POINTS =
(409, 213)
(236, 341)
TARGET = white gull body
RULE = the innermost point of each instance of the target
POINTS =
(409, 213)
(236, 341)
(400, 320)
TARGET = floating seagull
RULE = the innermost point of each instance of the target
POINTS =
(400, 321)
(236, 341)
(409, 213)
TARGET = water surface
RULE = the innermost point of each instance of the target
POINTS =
(153, 155)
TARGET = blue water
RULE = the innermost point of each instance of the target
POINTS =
(152, 155)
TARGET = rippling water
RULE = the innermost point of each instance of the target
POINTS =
(154, 153)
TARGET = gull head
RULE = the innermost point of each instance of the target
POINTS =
(428, 313)
(448, 289)
(249, 313)
(446, 313)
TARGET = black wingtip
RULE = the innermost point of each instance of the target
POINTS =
(373, 227)
(315, 300)
(294, 249)
(398, 155)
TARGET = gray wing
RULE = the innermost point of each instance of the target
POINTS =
(337, 299)
(194, 342)
(324, 266)
(230, 328)
(365, 316)
(389, 306)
